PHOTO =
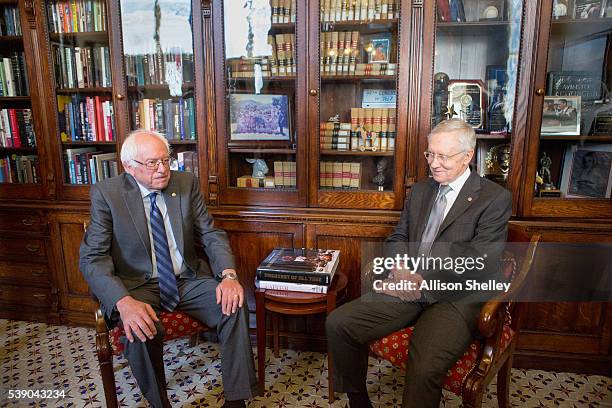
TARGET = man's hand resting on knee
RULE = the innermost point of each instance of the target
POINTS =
(230, 293)
(404, 277)
(138, 319)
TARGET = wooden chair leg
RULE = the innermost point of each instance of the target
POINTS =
(503, 384)
(260, 313)
(275, 334)
(105, 358)
(194, 339)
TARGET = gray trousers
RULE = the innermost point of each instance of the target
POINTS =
(441, 336)
(198, 299)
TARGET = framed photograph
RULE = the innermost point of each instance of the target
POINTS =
(259, 117)
(587, 85)
(561, 116)
(490, 10)
(378, 50)
(587, 171)
(466, 100)
(497, 90)
(585, 9)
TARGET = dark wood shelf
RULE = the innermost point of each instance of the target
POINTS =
(93, 89)
(97, 36)
(356, 153)
(358, 78)
(14, 98)
(583, 138)
(9, 3)
(20, 149)
(282, 28)
(268, 79)
(157, 87)
(472, 24)
(351, 190)
(272, 190)
(363, 26)
(68, 145)
(182, 142)
(493, 136)
(578, 21)
(11, 38)
(261, 150)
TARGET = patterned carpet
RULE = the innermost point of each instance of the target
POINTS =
(43, 357)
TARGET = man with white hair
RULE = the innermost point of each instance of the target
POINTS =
(455, 214)
(138, 257)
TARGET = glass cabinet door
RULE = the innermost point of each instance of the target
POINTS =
(159, 69)
(476, 55)
(257, 87)
(574, 160)
(19, 165)
(80, 59)
(357, 113)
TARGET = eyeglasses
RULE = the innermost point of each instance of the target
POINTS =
(441, 157)
(154, 164)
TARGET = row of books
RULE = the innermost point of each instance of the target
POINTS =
(173, 118)
(151, 69)
(82, 67)
(339, 52)
(86, 165)
(373, 129)
(76, 16)
(451, 10)
(16, 168)
(13, 76)
(298, 269)
(284, 177)
(345, 175)
(9, 21)
(283, 11)
(16, 128)
(359, 10)
(86, 118)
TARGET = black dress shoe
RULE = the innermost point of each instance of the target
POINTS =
(234, 404)
(359, 400)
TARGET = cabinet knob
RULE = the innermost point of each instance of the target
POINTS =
(28, 222)
(39, 296)
(313, 92)
(37, 273)
(540, 91)
(120, 96)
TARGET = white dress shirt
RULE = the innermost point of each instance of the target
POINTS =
(175, 254)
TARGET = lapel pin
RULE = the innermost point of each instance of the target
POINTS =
(469, 198)
(174, 195)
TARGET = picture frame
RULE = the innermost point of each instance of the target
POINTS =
(466, 100)
(378, 50)
(587, 171)
(497, 92)
(561, 116)
(255, 117)
(587, 9)
(490, 10)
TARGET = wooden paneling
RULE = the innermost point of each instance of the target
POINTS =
(252, 241)
(557, 335)
(67, 232)
(348, 239)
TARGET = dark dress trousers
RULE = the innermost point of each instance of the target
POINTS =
(445, 325)
(115, 259)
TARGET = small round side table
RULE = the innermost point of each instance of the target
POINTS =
(294, 303)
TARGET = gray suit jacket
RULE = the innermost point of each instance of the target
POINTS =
(115, 255)
(477, 223)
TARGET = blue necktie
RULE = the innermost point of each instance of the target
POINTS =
(168, 291)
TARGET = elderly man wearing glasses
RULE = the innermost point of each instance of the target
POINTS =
(138, 257)
(453, 215)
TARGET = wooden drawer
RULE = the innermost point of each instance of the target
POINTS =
(26, 273)
(23, 249)
(23, 221)
(26, 296)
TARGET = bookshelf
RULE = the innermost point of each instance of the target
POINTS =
(19, 160)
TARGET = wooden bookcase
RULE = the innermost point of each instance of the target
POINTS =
(526, 41)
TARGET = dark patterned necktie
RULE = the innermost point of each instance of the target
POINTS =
(433, 222)
(168, 291)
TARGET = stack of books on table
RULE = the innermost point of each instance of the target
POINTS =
(299, 270)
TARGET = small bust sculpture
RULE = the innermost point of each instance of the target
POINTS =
(379, 178)
(260, 168)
